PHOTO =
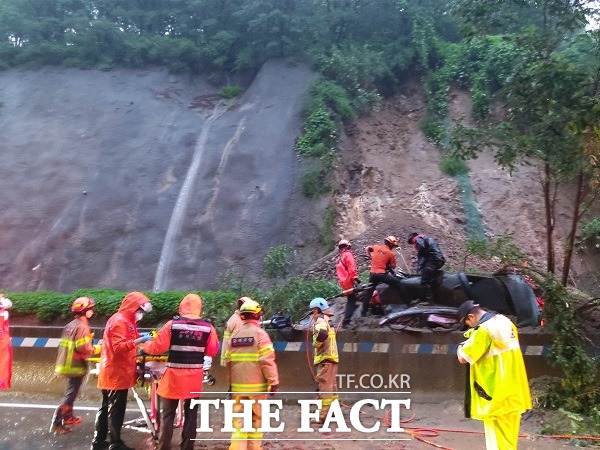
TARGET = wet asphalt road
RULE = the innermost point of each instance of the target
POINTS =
(94, 163)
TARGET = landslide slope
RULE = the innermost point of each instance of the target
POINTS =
(389, 181)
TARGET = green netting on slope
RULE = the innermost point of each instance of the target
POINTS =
(475, 228)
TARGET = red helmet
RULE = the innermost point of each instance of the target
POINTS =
(82, 304)
(391, 240)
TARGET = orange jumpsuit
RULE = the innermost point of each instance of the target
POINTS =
(250, 362)
(382, 258)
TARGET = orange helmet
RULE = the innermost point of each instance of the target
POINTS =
(344, 242)
(392, 241)
(82, 304)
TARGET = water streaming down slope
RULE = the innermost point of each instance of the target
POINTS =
(174, 228)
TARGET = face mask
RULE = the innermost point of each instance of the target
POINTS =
(138, 316)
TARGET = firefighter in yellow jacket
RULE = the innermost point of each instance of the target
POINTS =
(252, 372)
(233, 323)
(499, 390)
(75, 346)
(326, 354)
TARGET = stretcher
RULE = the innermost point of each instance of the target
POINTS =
(150, 370)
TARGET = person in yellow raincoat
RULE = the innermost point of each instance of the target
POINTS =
(499, 389)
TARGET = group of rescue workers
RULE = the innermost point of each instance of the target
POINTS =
(498, 390)
(191, 342)
(430, 260)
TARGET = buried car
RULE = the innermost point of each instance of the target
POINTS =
(508, 294)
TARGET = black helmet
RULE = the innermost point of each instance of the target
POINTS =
(411, 237)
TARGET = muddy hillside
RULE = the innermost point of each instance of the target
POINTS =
(389, 182)
(146, 180)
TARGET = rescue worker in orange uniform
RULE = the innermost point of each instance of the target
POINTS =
(118, 369)
(6, 353)
(383, 264)
(233, 323)
(75, 346)
(189, 340)
(252, 372)
(346, 272)
(326, 357)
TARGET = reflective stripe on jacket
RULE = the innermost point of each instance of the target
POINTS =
(250, 359)
(234, 322)
(188, 343)
(180, 383)
(74, 347)
(326, 350)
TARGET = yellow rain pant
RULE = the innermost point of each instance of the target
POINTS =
(502, 432)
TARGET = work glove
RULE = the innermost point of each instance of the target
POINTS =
(92, 336)
(273, 389)
(207, 363)
(145, 338)
(97, 349)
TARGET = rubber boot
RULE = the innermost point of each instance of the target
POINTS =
(69, 418)
(57, 424)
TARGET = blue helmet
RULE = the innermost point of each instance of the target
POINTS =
(319, 302)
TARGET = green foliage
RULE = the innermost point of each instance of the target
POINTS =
(578, 390)
(591, 233)
(452, 165)
(320, 134)
(294, 297)
(327, 231)
(331, 95)
(277, 261)
(49, 306)
(433, 129)
(291, 299)
(315, 182)
(46, 305)
(231, 91)
(501, 249)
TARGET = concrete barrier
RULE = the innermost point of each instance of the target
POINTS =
(370, 361)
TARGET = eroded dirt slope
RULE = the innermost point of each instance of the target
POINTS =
(389, 182)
